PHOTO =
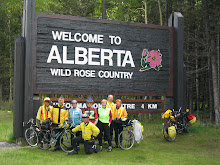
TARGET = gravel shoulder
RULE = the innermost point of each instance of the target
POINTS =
(6, 145)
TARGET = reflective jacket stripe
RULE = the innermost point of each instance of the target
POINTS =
(59, 115)
(43, 113)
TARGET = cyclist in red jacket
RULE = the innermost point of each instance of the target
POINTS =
(93, 114)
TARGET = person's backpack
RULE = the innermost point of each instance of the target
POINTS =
(191, 118)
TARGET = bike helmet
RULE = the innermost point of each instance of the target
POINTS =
(85, 116)
(73, 101)
(46, 99)
(89, 100)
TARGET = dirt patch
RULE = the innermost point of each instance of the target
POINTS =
(6, 145)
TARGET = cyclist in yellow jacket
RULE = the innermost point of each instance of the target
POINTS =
(58, 114)
(88, 130)
(42, 114)
(118, 115)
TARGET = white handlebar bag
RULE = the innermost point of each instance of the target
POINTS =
(137, 130)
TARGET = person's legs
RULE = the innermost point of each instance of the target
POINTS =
(54, 126)
(107, 134)
(116, 134)
(75, 142)
(105, 141)
(88, 147)
(111, 130)
(78, 134)
(100, 126)
(120, 128)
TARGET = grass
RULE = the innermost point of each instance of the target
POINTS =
(6, 126)
(202, 146)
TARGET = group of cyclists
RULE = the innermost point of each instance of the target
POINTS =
(89, 123)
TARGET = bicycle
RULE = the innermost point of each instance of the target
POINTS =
(183, 124)
(126, 137)
(48, 137)
(31, 133)
(165, 131)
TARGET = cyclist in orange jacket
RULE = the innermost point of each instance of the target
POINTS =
(42, 114)
(118, 115)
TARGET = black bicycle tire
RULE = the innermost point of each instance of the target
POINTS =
(133, 139)
(26, 138)
(48, 134)
(188, 125)
(60, 142)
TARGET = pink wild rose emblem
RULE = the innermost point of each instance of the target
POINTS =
(150, 60)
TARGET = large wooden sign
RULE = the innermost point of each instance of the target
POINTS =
(60, 54)
(76, 55)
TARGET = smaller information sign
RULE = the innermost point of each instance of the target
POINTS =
(132, 106)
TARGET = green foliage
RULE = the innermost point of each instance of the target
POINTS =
(10, 26)
(48, 6)
(6, 126)
(6, 106)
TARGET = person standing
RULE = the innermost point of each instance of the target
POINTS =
(111, 105)
(118, 115)
(42, 114)
(88, 130)
(75, 114)
(58, 114)
(75, 117)
(104, 122)
(93, 114)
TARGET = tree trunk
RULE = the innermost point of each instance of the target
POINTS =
(103, 9)
(207, 36)
(218, 73)
(0, 92)
(10, 63)
(215, 83)
(212, 119)
(197, 76)
(189, 77)
(145, 6)
(161, 17)
(213, 52)
(166, 12)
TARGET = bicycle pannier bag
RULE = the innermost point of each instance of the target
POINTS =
(191, 118)
(172, 131)
(45, 125)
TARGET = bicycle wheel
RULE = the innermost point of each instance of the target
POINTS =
(66, 141)
(126, 139)
(166, 135)
(188, 128)
(44, 140)
(31, 137)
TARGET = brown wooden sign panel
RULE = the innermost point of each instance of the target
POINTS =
(75, 55)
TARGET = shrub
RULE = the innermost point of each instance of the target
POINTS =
(6, 105)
